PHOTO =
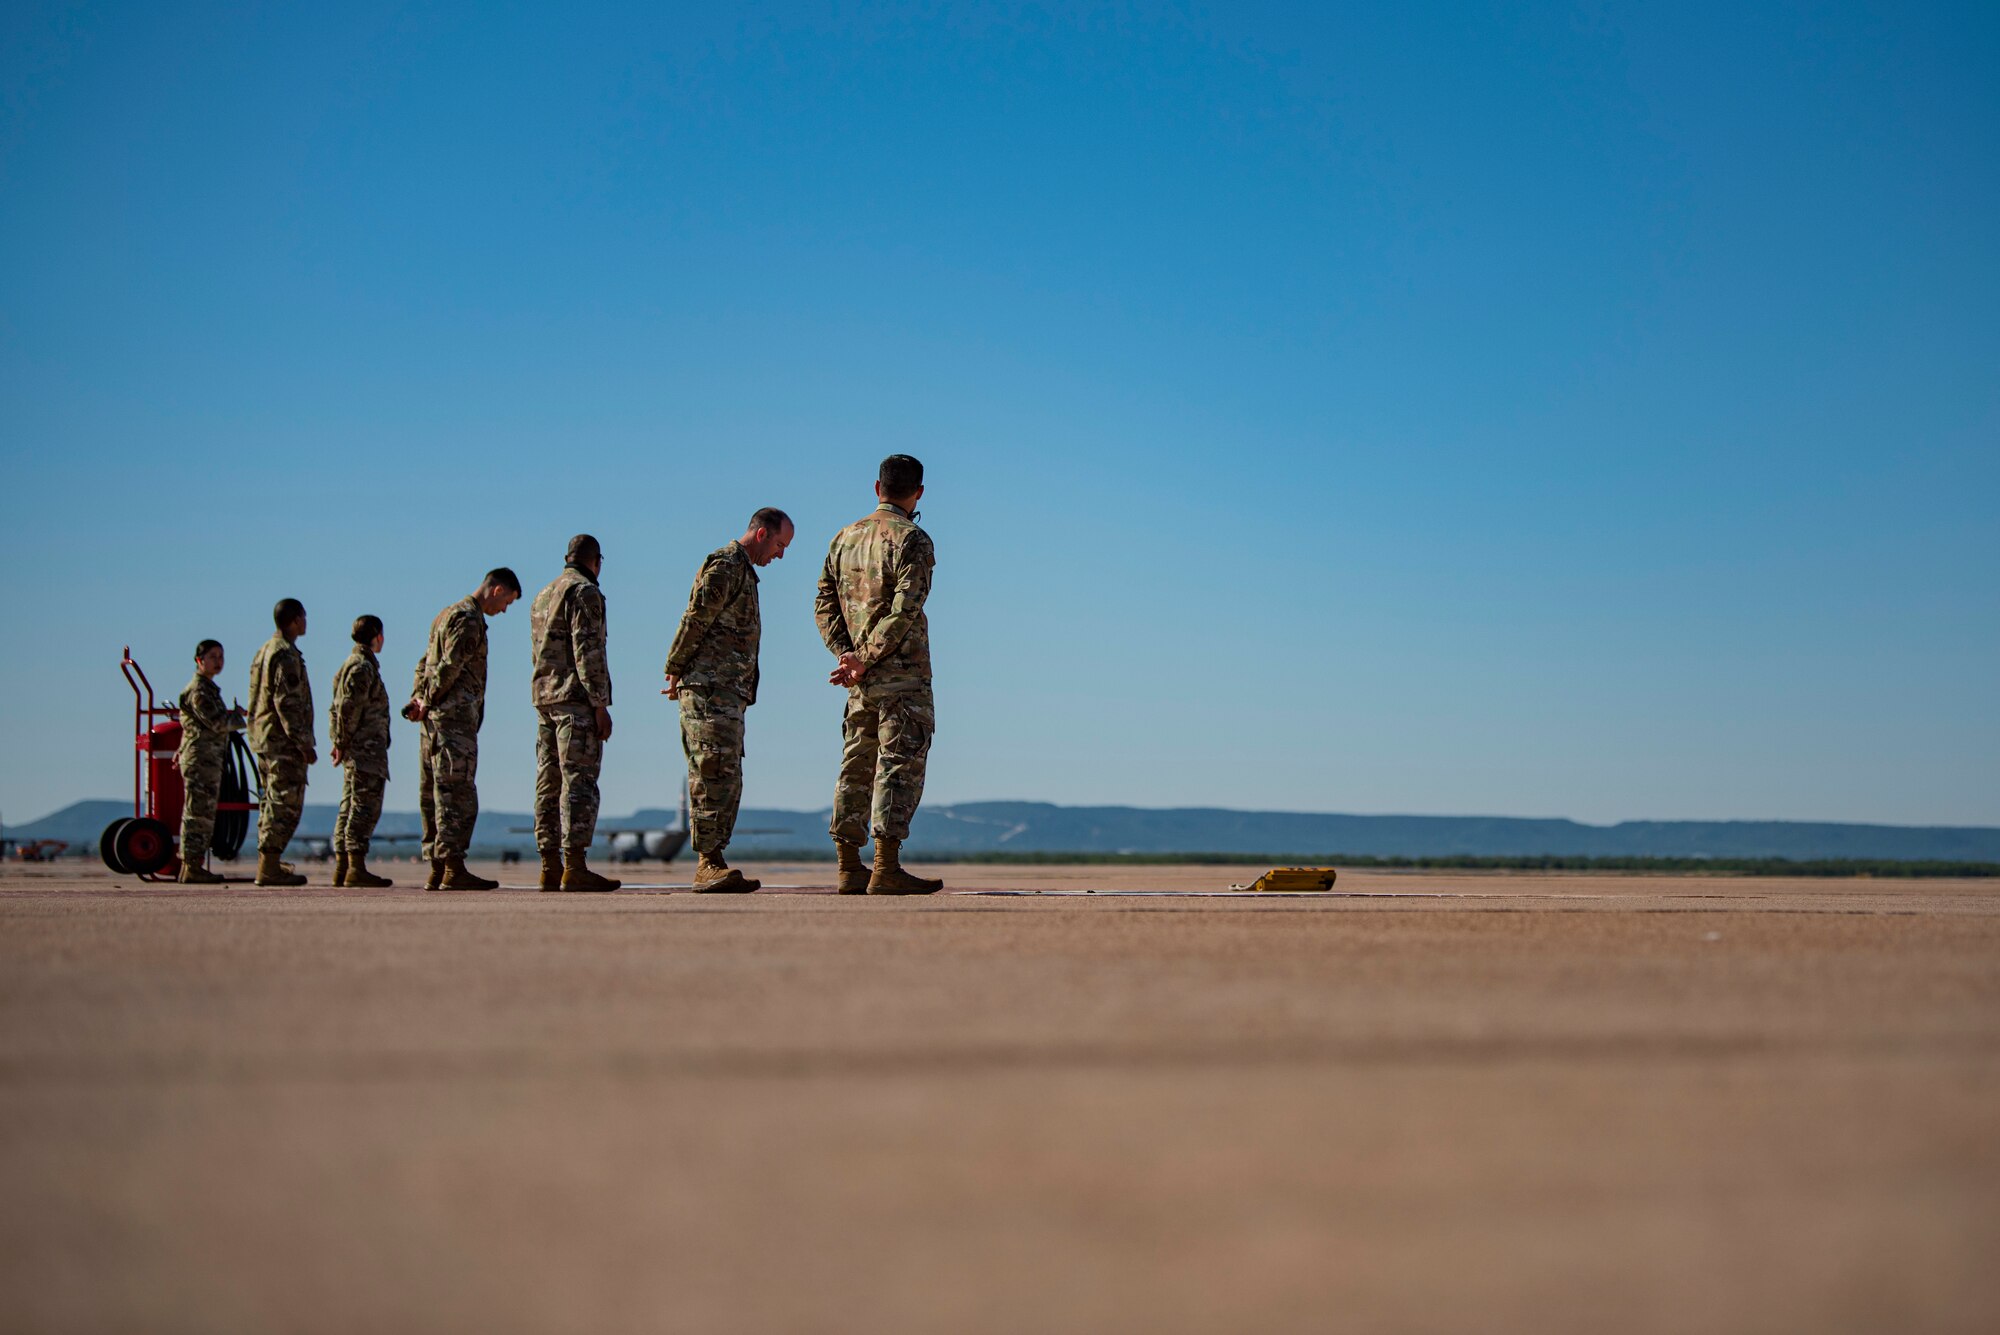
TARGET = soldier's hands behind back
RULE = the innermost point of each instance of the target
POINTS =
(603, 724)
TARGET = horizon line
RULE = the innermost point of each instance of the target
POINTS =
(1240, 811)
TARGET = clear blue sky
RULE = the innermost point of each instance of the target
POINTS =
(1539, 410)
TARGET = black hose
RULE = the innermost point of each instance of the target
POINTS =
(239, 770)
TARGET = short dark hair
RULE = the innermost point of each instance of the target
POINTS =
(582, 548)
(503, 577)
(900, 475)
(203, 648)
(287, 611)
(366, 627)
(772, 518)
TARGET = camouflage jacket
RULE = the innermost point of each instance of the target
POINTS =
(871, 599)
(451, 676)
(281, 699)
(357, 723)
(716, 646)
(205, 721)
(566, 625)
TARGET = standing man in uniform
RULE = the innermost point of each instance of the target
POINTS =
(712, 671)
(449, 698)
(357, 735)
(572, 692)
(281, 710)
(870, 610)
(205, 727)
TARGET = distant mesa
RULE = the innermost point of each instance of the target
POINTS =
(1040, 827)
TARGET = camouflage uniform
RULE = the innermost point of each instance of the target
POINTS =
(205, 727)
(714, 655)
(871, 603)
(281, 734)
(571, 683)
(357, 726)
(451, 686)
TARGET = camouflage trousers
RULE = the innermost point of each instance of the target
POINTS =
(888, 742)
(201, 775)
(447, 793)
(712, 737)
(569, 753)
(360, 809)
(284, 799)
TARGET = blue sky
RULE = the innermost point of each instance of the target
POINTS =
(1535, 410)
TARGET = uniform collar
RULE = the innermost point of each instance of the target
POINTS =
(571, 565)
(896, 509)
(472, 601)
(363, 651)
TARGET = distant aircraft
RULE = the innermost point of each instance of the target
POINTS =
(319, 848)
(637, 843)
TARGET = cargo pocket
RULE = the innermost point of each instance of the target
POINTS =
(911, 736)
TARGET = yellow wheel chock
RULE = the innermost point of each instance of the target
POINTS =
(1291, 880)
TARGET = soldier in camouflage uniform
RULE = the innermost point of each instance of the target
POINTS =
(357, 734)
(281, 734)
(572, 693)
(712, 671)
(205, 727)
(870, 610)
(449, 698)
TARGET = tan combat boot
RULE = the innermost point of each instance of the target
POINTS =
(890, 878)
(360, 878)
(435, 881)
(713, 876)
(552, 869)
(853, 872)
(577, 874)
(193, 873)
(272, 873)
(340, 867)
(458, 877)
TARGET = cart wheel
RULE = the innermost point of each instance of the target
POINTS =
(144, 846)
(107, 845)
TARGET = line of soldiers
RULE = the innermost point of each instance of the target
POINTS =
(870, 611)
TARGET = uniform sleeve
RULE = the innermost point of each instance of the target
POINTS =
(451, 657)
(379, 694)
(826, 611)
(913, 586)
(209, 712)
(587, 642)
(337, 712)
(713, 589)
(257, 675)
(292, 695)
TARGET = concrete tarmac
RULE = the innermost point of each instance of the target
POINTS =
(1542, 1104)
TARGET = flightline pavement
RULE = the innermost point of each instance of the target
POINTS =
(1052, 1098)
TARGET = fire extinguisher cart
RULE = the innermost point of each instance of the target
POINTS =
(142, 844)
